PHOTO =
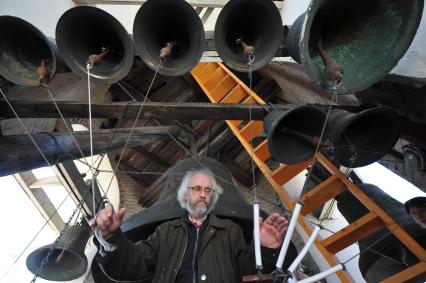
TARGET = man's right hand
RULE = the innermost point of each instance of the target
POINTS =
(107, 221)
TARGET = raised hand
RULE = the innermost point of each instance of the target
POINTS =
(272, 230)
(107, 220)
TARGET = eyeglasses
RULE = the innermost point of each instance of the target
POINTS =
(198, 190)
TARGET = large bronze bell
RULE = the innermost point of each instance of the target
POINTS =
(83, 31)
(362, 138)
(231, 205)
(67, 261)
(374, 267)
(22, 49)
(173, 24)
(293, 134)
(366, 38)
(257, 23)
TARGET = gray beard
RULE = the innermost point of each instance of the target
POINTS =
(197, 211)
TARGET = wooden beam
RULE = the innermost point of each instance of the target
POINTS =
(18, 152)
(357, 230)
(41, 200)
(143, 153)
(217, 143)
(127, 110)
(193, 3)
(45, 182)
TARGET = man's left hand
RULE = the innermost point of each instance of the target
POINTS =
(272, 231)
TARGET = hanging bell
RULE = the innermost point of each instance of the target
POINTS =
(28, 57)
(90, 35)
(293, 134)
(171, 29)
(359, 139)
(365, 38)
(67, 261)
(256, 23)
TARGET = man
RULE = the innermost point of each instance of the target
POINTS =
(198, 247)
(416, 207)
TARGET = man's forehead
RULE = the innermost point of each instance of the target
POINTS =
(201, 175)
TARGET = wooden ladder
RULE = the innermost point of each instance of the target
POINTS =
(222, 86)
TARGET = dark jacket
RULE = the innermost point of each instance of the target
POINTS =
(224, 255)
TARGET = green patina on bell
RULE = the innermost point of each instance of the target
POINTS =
(366, 38)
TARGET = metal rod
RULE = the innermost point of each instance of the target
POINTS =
(323, 274)
(304, 251)
(288, 235)
(257, 236)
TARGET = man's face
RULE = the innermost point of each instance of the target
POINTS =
(199, 195)
(419, 215)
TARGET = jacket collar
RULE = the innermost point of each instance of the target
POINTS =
(213, 221)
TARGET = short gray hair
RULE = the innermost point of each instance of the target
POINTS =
(186, 181)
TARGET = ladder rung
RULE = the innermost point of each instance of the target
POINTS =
(236, 123)
(235, 95)
(286, 172)
(215, 79)
(222, 88)
(206, 73)
(412, 272)
(325, 191)
(198, 69)
(262, 151)
(251, 130)
(357, 230)
(249, 100)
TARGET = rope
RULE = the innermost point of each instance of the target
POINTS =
(132, 129)
(89, 66)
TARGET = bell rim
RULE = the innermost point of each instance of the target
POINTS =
(80, 69)
(277, 121)
(46, 248)
(313, 72)
(361, 115)
(218, 30)
(144, 54)
(52, 72)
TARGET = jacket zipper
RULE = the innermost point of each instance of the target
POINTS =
(193, 259)
(181, 259)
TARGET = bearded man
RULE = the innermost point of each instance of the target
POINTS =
(198, 247)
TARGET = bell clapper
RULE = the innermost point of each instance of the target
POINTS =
(313, 140)
(351, 147)
(247, 49)
(166, 51)
(94, 59)
(42, 71)
(332, 71)
(59, 258)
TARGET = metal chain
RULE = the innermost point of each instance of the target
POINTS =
(49, 253)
